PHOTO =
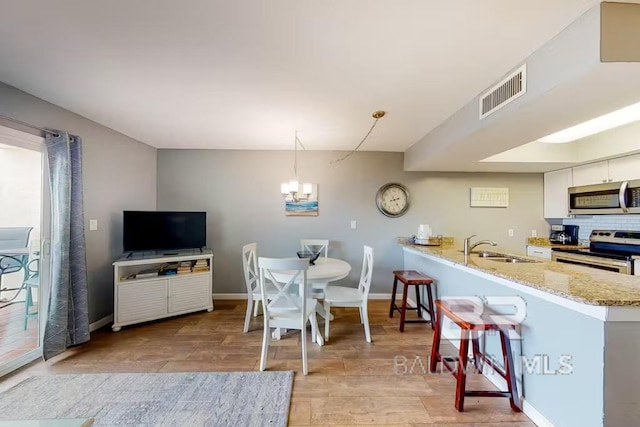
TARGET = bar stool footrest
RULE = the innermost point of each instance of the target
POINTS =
(487, 393)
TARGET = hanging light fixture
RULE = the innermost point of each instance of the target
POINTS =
(291, 190)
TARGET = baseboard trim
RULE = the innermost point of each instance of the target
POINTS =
(101, 323)
(230, 296)
(243, 296)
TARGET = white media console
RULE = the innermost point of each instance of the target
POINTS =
(142, 299)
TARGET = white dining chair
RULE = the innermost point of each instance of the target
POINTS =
(292, 307)
(251, 280)
(315, 245)
(342, 296)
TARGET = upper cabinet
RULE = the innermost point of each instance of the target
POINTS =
(624, 168)
(557, 183)
(614, 170)
(556, 194)
(593, 173)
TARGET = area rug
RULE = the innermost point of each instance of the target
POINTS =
(171, 399)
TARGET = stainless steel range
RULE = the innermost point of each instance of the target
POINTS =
(615, 251)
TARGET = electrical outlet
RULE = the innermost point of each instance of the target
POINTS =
(354, 225)
(534, 233)
(511, 232)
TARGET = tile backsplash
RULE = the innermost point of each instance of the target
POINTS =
(603, 222)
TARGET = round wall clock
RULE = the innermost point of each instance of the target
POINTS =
(393, 199)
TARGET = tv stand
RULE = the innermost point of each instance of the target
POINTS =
(141, 299)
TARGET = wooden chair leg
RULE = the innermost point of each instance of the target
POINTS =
(303, 339)
(514, 398)
(435, 346)
(365, 321)
(256, 307)
(247, 317)
(461, 374)
(393, 296)
(418, 301)
(477, 356)
(403, 309)
(327, 310)
(430, 303)
(265, 345)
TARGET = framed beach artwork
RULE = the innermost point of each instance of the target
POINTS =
(304, 206)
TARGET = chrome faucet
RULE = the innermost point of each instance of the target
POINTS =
(468, 247)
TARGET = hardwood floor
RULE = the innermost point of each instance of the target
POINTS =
(14, 339)
(350, 382)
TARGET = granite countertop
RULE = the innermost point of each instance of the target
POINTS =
(545, 243)
(582, 284)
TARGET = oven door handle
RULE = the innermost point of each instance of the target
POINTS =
(622, 196)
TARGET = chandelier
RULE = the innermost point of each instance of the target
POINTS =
(291, 190)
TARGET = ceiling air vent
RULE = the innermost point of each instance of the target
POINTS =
(511, 87)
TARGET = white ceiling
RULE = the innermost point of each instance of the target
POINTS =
(246, 74)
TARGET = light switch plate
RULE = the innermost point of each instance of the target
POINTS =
(93, 224)
(354, 224)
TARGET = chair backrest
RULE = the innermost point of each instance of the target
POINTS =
(315, 245)
(250, 267)
(11, 264)
(292, 293)
(367, 271)
(14, 238)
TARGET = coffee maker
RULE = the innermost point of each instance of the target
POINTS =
(564, 234)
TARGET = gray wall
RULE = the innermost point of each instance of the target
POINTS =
(240, 190)
(119, 174)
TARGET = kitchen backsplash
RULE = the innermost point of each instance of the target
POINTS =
(603, 222)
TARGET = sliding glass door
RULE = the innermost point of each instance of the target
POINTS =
(24, 247)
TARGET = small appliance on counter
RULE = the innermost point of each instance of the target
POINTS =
(424, 232)
(564, 234)
(425, 238)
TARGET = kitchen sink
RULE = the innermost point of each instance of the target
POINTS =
(487, 254)
(513, 260)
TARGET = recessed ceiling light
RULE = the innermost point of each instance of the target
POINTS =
(599, 124)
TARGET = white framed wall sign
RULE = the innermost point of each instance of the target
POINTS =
(485, 197)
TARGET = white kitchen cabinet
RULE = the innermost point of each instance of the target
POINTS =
(556, 194)
(592, 173)
(624, 168)
(141, 299)
(539, 252)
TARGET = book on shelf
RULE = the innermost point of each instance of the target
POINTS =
(184, 267)
(148, 272)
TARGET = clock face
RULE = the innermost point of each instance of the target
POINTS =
(393, 200)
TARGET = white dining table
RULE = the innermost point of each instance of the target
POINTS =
(323, 271)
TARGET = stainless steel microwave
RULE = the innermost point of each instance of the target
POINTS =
(610, 198)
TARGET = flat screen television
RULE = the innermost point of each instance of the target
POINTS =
(150, 230)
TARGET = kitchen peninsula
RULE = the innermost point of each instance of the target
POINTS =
(578, 316)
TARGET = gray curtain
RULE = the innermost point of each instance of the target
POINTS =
(68, 315)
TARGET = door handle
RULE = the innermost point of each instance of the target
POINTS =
(622, 196)
(46, 247)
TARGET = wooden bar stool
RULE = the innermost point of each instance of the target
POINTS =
(472, 318)
(417, 279)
